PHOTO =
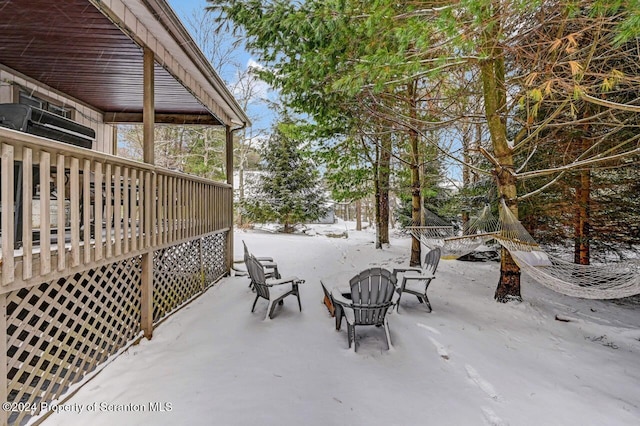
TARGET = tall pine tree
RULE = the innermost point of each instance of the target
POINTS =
(289, 191)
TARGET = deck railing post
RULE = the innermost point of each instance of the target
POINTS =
(8, 209)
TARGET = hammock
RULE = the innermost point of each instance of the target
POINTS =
(585, 281)
(437, 233)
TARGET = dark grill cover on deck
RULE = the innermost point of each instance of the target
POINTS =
(43, 123)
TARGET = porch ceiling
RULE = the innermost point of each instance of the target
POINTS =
(72, 47)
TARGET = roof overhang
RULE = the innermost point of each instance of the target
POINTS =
(92, 51)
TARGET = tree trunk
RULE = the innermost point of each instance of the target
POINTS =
(582, 219)
(495, 100)
(465, 221)
(416, 199)
(466, 171)
(384, 172)
(288, 227)
(358, 215)
(509, 286)
(376, 192)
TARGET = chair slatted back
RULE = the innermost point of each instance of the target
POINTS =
(247, 257)
(431, 260)
(371, 293)
(246, 253)
(256, 272)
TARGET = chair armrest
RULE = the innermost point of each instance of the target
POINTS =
(427, 278)
(346, 304)
(418, 277)
(264, 259)
(397, 270)
(287, 280)
(336, 295)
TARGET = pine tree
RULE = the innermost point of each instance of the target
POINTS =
(289, 191)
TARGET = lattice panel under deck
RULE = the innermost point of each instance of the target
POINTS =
(59, 331)
(176, 277)
(213, 257)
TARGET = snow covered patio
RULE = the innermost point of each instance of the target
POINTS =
(471, 361)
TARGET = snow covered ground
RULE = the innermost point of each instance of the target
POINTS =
(471, 361)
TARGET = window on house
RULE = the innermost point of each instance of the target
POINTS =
(35, 101)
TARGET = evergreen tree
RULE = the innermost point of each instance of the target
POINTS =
(326, 56)
(289, 191)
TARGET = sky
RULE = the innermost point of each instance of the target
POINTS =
(184, 7)
(260, 115)
(548, 360)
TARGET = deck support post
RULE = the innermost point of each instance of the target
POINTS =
(228, 211)
(4, 385)
(148, 117)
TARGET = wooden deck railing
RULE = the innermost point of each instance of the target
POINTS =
(103, 206)
(95, 250)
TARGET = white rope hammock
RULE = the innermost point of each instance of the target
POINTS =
(436, 233)
(585, 281)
